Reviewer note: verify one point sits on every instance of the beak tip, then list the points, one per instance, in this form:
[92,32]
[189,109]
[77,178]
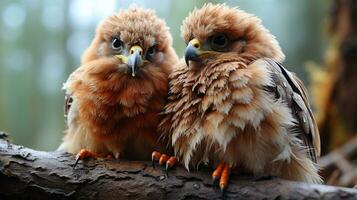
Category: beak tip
[187,62]
[191,53]
[134,62]
[133,71]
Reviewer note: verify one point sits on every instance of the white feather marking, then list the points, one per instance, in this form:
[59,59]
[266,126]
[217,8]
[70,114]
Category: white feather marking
[243,95]
[239,123]
[284,155]
[225,107]
[261,73]
[224,135]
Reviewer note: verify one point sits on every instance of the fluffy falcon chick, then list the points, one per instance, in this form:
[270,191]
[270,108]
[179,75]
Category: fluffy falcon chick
[116,95]
[233,105]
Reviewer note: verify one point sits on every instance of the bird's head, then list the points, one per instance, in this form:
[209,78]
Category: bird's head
[218,32]
[135,40]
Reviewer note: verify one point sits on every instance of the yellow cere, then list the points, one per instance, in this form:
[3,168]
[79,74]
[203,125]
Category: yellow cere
[123,58]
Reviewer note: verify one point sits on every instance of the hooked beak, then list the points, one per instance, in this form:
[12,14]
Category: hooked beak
[192,51]
[135,59]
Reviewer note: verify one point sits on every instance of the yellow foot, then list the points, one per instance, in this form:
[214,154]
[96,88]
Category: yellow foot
[221,173]
[163,159]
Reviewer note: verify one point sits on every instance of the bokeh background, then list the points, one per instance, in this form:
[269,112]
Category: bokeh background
[41,42]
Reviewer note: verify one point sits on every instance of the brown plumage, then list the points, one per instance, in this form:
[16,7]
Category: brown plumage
[117,93]
[233,103]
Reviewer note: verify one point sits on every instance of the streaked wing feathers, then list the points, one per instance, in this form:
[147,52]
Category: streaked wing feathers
[291,90]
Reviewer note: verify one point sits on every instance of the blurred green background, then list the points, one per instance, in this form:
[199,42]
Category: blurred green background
[41,42]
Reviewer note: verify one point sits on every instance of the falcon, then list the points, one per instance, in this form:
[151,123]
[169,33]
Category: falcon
[114,98]
[233,106]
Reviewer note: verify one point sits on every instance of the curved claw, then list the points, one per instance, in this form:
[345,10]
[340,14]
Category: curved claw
[155,156]
[216,175]
[223,182]
[169,164]
[167,170]
[75,164]
[221,173]
[163,159]
[82,154]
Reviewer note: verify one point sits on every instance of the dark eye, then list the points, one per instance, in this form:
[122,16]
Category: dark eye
[117,44]
[219,42]
[151,53]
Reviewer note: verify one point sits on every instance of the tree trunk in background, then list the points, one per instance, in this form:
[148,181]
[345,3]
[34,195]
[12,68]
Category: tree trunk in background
[30,174]
[334,91]
[334,88]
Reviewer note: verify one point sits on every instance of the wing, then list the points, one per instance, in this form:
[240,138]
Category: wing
[70,142]
[68,99]
[291,90]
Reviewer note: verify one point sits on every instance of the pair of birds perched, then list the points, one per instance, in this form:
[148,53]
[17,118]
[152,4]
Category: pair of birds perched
[228,103]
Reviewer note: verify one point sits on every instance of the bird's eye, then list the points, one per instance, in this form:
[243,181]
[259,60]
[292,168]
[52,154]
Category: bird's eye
[219,42]
[151,53]
[117,44]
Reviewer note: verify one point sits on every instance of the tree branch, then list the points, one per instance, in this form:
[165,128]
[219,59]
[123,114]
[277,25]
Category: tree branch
[26,173]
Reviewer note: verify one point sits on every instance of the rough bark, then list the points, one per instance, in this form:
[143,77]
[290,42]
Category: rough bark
[30,174]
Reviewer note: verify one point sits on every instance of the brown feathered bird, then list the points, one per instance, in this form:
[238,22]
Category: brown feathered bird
[114,98]
[233,105]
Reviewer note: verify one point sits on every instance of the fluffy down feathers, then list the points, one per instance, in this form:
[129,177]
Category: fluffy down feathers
[237,104]
[112,112]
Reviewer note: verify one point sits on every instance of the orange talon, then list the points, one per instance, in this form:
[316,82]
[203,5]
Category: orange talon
[218,172]
[155,156]
[170,163]
[221,173]
[83,153]
[223,183]
[163,159]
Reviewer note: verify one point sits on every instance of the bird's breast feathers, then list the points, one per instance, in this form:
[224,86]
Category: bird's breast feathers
[105,104]
[228,107]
